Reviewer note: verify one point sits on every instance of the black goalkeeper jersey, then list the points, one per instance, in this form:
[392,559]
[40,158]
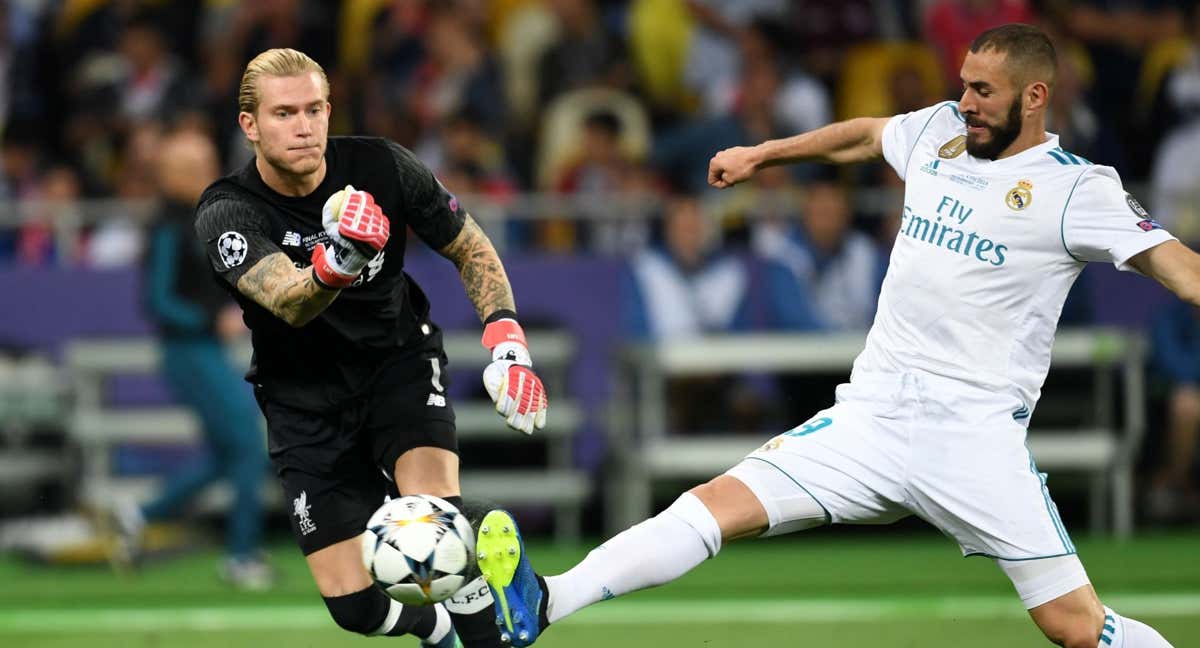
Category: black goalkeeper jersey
[334,357]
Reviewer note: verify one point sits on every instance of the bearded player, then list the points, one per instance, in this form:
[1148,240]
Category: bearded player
[998,221]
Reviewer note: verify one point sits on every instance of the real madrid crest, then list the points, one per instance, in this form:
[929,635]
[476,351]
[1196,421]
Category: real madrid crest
[953,148]
[1020,196]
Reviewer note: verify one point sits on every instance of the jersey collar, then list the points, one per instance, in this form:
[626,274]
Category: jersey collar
[1020,159]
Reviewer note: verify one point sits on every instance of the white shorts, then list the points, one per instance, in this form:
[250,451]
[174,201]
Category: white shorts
[914,444]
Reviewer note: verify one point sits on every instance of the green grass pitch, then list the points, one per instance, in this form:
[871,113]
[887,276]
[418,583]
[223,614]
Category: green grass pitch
[828,589]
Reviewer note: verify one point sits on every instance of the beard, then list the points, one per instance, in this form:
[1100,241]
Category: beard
[1000,135]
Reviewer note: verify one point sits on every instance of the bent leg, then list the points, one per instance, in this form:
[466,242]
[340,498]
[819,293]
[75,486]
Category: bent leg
[1065,607]
[427,470]
[434,471]
[357,604]
[1073,620]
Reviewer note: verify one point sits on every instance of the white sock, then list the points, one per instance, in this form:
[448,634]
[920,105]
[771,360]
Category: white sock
[650,553]
[443,627]
[1123,632]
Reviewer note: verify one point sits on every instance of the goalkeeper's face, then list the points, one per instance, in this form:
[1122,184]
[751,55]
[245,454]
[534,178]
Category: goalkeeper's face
[291,125]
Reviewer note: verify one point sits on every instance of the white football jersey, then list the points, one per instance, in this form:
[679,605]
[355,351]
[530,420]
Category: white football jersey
[986,252]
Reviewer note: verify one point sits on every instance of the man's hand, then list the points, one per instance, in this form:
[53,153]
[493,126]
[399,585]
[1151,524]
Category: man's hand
[357,231]
[518,392]
[733,165]
[352,215]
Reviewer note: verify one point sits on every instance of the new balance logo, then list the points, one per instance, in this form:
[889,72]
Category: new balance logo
[435,400]
[292,239]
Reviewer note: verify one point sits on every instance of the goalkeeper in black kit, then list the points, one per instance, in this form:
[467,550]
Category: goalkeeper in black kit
[348,368]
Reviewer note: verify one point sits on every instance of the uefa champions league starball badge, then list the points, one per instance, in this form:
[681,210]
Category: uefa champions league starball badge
[232,248]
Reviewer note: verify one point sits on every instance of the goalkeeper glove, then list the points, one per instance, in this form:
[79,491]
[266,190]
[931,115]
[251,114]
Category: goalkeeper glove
[510,381]
[356,229]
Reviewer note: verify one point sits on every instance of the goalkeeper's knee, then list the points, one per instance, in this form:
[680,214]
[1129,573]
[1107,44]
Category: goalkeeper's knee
[364,611]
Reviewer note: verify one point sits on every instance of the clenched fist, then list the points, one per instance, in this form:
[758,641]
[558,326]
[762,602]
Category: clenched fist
[733,165]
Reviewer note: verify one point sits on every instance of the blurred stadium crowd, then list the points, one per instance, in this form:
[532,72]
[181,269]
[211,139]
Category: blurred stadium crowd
[584,127]
[582,98]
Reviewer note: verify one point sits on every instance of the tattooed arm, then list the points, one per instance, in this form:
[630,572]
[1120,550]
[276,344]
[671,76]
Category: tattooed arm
[290,293]
[482,273]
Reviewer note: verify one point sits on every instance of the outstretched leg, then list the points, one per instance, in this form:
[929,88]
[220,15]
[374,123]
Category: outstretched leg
[650,553]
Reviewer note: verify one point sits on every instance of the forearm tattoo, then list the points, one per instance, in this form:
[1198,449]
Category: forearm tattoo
[482,273]
[290,293]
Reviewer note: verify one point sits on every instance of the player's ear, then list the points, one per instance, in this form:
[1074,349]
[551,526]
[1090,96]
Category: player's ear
[1037,95]
[249,125]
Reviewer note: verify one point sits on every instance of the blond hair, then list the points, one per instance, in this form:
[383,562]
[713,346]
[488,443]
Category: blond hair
[278,62]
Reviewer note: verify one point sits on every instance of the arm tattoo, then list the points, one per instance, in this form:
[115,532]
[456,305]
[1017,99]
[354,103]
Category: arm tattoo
[287,291]
[482,273]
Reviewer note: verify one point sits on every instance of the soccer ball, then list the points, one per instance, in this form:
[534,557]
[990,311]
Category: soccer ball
[419,548]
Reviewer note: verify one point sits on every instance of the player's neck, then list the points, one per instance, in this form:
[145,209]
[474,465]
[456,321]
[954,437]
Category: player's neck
[289,184]
[1030,137]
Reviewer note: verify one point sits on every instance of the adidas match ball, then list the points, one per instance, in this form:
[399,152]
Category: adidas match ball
[419,548]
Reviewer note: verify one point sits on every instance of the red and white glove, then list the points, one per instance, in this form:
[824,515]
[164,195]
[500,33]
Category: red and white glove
[357,230]
[518,392]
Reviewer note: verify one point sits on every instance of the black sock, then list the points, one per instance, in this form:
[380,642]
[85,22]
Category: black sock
[543,617]
[364,612]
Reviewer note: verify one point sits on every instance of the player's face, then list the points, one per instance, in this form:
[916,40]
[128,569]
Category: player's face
[291,124]
[990,104]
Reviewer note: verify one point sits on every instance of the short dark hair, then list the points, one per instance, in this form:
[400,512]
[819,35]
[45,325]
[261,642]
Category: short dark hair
[1028,52]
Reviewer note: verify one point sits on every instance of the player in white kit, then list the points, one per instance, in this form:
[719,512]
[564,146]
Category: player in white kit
[997,223]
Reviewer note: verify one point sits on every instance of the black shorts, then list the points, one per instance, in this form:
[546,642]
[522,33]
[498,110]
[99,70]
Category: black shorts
[337,466]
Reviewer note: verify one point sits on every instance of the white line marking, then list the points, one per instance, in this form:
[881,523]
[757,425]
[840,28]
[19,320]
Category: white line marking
[650,612]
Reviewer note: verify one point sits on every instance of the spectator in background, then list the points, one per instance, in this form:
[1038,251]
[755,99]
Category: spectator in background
[462,141]
[715,58]
[258,25]
[1175,182]
[115,238]
[1175,177]
[679,153]
[397,42]
[801,102]
[458,74]
[1117,34]
[151,85]
[1178,99]
[1176,354]
[195,319]
[1078,126]
[604,178]
[822,275]
[951,25]
[823,30]
[688,288]
[761,212]
[586,53]
[19,161]
[37,244]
